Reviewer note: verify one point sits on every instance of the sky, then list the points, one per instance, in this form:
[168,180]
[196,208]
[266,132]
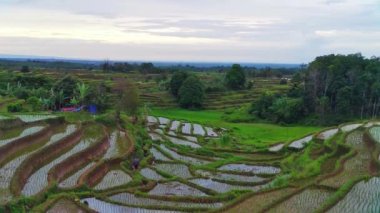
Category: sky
[256,31]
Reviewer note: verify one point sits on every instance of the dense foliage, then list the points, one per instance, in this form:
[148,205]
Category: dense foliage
[191,93]
[177,81]
[332,89]
[235,78]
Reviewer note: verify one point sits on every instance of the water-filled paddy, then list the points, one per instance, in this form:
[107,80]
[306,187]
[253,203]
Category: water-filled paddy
[112,179]
[175,188]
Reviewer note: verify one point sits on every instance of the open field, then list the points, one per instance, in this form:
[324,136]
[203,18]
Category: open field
[248,133]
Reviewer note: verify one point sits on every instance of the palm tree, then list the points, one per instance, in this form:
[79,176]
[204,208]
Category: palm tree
[83,91]
[60,98]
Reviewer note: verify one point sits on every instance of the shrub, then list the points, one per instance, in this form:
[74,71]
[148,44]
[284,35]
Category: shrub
[35,103]
[15,107]
[108,119]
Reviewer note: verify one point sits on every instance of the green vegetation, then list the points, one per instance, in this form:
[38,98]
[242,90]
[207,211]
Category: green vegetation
[333,89]
[248,133]
[191,93]
[237,147]
[235,78]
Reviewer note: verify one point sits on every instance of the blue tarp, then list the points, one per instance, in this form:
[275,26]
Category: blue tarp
[92,109]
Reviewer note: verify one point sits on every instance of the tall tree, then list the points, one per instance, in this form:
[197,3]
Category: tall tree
[191,93]
[176,82]
[235,78]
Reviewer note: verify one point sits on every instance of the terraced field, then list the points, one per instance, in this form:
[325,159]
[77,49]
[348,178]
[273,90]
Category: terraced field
[87,167]
[215,100]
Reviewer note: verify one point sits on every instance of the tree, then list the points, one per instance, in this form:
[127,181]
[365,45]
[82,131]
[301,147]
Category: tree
[287,110]
[235,77]
[262,107]
[82,90]
[128,98]
[147,68]
[191,93]
[67,84]
[25,69]
[35,103]
[176,82]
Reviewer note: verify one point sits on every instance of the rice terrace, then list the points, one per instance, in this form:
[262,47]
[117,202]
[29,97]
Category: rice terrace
[189,106]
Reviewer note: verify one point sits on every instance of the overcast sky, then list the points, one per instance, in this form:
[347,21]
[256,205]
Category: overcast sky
[278,31]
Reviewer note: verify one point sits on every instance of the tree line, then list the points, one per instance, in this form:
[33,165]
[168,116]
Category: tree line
[331,89]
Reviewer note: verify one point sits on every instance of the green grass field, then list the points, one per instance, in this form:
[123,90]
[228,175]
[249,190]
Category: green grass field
[248,133]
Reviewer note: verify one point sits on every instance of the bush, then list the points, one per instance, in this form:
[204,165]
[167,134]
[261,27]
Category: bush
[15,107]
[107,119]
[191,93]
[35,103]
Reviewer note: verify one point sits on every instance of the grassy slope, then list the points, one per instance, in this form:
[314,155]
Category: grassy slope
[249,133]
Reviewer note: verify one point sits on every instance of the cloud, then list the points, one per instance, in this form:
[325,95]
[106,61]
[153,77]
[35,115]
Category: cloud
[221,30]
